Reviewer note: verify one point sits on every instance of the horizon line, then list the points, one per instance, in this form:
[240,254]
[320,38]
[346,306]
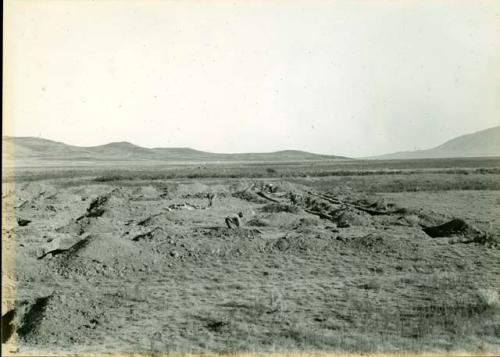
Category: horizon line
[247,152]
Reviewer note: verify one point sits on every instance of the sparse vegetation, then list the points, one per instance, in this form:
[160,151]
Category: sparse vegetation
[358,274]
[367,176]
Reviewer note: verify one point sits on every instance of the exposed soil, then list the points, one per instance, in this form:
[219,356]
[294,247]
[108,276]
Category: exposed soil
[151,267]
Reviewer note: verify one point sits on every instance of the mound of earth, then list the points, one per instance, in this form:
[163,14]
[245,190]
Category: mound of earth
[299,244]
[348,216]
[38,318]
[378,204]
[146,193]
[225,233]
[30,315]
[101,255]
[258,222]
[279,207]
[309,222]
[249,196]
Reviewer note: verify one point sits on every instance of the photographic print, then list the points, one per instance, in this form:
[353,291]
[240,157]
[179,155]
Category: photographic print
[250,177]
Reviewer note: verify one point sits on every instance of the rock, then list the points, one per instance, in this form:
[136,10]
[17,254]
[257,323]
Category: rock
[174,254]
[23,222]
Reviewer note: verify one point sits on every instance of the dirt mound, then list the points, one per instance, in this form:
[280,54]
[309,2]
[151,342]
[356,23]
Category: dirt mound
[203,195]
[96,207]
[41,317]
[100,215]
[258,222]
[219,241]
[30,315]
[35,191]
[250,196]
[374,203]
[343,215]
[279,207]
[380,244]
[114,199]
[297,243]
[148,234]
[88,225]
[348,216]
[66,246]
[225,233]
[424,217]
[147,193]
[370,241]
[309,222]
[103,254]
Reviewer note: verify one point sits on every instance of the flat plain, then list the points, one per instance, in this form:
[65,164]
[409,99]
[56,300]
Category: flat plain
[121,257]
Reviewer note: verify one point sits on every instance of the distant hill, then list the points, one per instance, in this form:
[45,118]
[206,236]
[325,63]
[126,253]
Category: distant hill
[479,144]
[38,149]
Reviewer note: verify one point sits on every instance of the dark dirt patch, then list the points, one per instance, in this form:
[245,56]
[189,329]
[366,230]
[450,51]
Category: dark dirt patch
[95,208]
[23,222]
[32,318]
[455,227]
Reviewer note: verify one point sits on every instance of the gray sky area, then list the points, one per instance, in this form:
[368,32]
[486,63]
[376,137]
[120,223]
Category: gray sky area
[352,78]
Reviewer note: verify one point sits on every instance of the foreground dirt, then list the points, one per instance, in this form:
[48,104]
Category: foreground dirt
[148,266]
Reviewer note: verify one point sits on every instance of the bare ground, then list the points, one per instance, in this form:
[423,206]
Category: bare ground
[147,266]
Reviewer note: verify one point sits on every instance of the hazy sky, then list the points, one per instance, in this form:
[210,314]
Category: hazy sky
[351,78]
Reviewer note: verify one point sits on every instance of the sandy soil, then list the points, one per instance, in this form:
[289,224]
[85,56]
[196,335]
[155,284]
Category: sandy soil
[147,266]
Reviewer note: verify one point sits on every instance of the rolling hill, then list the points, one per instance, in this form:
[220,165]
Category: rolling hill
[42,150]
[485,143]
[479,144]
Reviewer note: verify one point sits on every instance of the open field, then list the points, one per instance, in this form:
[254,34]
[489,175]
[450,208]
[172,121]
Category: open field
[122,259]
[153,170]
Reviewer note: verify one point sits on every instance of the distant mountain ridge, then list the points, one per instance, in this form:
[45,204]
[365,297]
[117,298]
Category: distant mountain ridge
[479,144]
[39,149]
[484,143]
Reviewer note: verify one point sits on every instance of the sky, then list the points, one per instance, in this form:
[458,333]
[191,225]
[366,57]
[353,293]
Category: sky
[352,78]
